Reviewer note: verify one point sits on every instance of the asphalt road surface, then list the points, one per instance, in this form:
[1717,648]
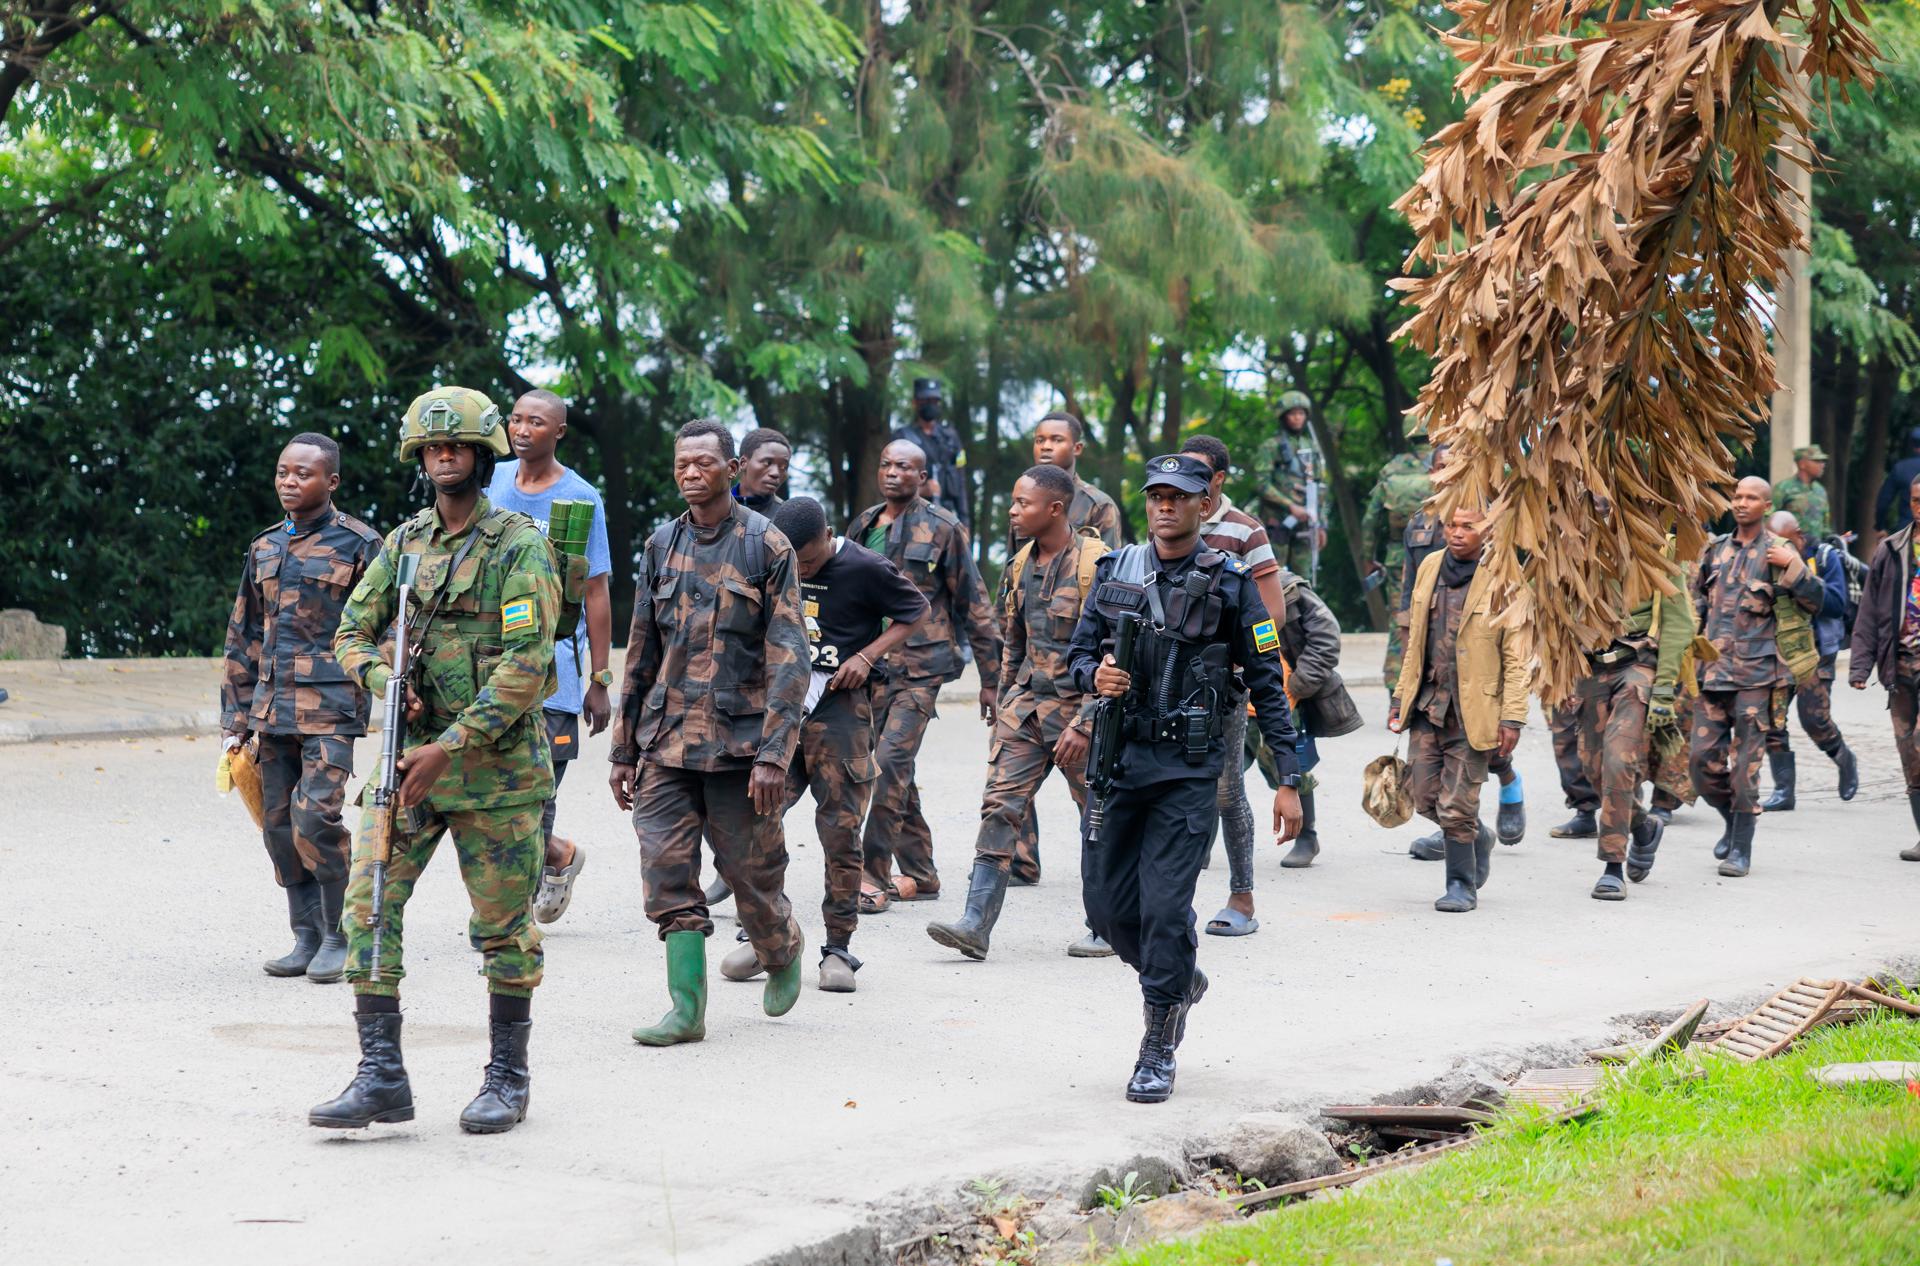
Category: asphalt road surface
[155,1082]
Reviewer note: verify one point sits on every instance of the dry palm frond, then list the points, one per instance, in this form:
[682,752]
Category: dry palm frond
[1598,232]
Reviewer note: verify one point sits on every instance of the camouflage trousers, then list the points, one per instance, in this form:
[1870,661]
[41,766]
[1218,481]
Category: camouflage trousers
[1576,780]
[1729,738]
[1667,752]
[1396,619]
[500,852]
[672,809]
[841,785]
[896,828]
[1020,761]
[1445,774]
[303,784]
[1814,703]
[1612,736]
[1903,705]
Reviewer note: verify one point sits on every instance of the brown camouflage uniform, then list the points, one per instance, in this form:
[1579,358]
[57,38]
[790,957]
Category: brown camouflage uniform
[1740,692]
[930,547]
[1563,724]
[1445,771]
[1613,711]
[835,762]
[1037,700]
[283,684]
[716,680]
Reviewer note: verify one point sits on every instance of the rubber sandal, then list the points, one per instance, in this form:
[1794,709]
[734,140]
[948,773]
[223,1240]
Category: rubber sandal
[555,893]
[874,901]
[1230,922]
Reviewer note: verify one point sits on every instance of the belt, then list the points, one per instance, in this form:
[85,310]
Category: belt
[1618,653]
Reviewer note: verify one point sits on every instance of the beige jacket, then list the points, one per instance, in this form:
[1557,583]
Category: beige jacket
[1491,663]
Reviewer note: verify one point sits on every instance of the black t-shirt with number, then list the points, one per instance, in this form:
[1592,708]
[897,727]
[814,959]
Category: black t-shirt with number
[848,601]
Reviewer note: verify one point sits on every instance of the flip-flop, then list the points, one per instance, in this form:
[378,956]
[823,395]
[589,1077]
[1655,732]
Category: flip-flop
[874,901]
[1230,922]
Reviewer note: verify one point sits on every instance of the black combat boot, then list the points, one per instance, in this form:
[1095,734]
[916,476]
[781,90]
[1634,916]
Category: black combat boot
[1740,846]
[1195,991]
[1482,856]
[1721,845]
[1306,845]
[303,913]
[1152,1080]
[1428,848]
[1580,826]
[1913,803]
[1461,868]
[380,1090]
[1849,771]
[505,1087]
[1642,845]
[1781,801]
[330,963]
[970,933]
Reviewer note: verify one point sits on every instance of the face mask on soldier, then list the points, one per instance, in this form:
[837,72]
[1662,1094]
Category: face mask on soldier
[929,410]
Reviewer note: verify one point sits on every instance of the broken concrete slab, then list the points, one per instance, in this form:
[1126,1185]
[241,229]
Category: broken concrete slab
[1880,1070]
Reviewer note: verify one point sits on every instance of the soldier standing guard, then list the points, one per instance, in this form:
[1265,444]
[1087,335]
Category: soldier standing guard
[1290,469]
[476,762]
[930,548]
[1752,595]
[1804,496]
[283,686]
[1203,618]
[944,469]
[1405,483]
[709,716]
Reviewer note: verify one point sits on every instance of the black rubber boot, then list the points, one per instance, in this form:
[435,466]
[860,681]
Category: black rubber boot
[505,1086]
[1428,848]
[1740,846]
[1721,845]
[1152,1080]
[1306,845]
[303,914]
[1482,857]
[971,932]
[1511,822]
[1581,826]
[1913,804]
[1642,845]
[1781,801]
[1195,991]
[1461,868]
[330,963]
[380,1090]
[716,892]
[1849,772]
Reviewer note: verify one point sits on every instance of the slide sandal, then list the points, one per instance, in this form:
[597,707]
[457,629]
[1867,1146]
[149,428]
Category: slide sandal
[1230,922]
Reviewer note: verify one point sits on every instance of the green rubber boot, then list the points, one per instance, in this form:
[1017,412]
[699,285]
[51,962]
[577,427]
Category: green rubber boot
[783,986]
[687,986]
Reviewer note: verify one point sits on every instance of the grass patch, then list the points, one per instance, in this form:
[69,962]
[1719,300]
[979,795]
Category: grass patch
[1743,1164]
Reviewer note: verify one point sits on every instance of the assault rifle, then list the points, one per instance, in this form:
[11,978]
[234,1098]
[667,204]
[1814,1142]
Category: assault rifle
[1310,468]
[1103,749]
[393,737]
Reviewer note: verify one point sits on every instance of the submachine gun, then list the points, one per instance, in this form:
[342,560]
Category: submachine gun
[1109,720]
[393,736]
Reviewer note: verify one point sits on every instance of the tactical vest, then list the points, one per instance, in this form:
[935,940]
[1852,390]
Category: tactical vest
[1183,680]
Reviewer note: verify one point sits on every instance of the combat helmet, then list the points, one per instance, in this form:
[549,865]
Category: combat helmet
[457,415]
[1293,400]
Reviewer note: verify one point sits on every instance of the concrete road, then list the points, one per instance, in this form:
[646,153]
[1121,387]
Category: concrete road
[155,1083]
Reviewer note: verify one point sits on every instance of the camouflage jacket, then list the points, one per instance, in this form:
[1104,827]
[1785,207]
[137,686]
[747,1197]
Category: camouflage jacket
[281,676]
[1403,487]
[930,547]
[717,656]
[1093,513]
[1040,618]
[1808,502]
[1281,468]
[484,663]
[1733,595]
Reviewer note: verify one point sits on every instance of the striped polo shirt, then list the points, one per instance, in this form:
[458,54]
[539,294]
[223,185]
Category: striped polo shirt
[1240,535]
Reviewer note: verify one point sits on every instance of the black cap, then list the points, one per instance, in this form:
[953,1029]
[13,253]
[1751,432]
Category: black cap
[924,387]
[1913,437]
[1180,470]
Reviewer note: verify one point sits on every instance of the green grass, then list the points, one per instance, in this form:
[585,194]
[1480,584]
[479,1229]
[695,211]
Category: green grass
[1752,1164]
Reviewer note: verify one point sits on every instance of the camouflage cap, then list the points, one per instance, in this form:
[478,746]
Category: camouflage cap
[458,415]
[1384,793]
[1293,400]
[1810,453]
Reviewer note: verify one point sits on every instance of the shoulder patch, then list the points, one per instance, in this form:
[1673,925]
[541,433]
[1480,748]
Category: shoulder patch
[1264,637]
[1236,566]
[516,615]
[357,527]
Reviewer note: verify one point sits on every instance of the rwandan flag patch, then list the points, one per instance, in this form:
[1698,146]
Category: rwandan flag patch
[518,614]
[1264,638]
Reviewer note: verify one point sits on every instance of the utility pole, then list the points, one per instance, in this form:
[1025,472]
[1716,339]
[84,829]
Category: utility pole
[1792,425]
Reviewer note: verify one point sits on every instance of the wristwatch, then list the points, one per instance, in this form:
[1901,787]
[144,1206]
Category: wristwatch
[602,678]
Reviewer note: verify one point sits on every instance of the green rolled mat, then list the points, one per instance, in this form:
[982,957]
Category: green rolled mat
[561,530]
[582,520]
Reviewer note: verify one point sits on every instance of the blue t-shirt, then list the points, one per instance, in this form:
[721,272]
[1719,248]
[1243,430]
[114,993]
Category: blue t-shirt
[567,655]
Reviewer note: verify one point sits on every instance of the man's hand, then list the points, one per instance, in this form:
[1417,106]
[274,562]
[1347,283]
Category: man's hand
[1858,685]
[622,779]
[1394,724]
[768,787]
[1374,566]
[1110,679]
[422,767]
[989,703]
[416,707]
[1286,814]
[1071,750]
[598,707]
[1509,739]
[852,675]
[1780,554]
[234,740]
[1299,512]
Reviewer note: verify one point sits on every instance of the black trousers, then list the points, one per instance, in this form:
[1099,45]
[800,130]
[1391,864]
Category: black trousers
[1138,879]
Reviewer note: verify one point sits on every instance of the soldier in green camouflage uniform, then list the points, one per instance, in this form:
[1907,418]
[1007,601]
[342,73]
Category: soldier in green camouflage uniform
[930,546]
[710,713]
[1043,721]
[476,763]
[1805,495]
[1284,466]
[1405,483]
[283,687]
